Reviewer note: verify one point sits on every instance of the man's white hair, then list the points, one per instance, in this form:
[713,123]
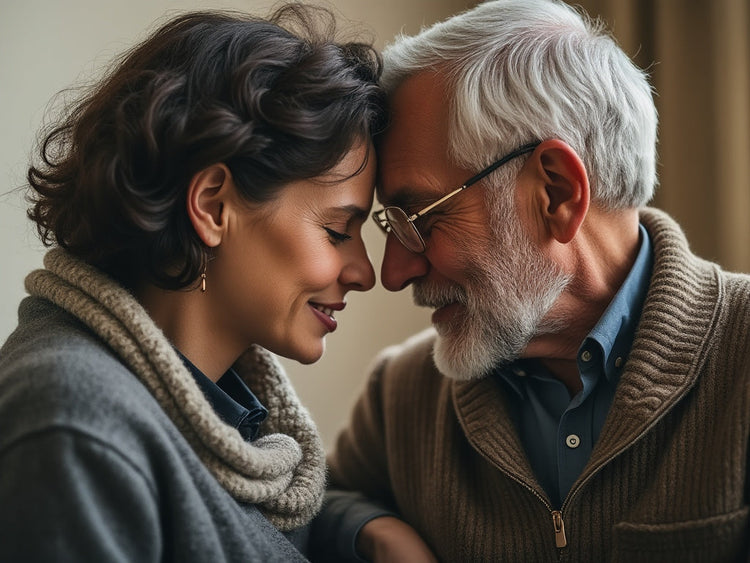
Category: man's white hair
[523,70]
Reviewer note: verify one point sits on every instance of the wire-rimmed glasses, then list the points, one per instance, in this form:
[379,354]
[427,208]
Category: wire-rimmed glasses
[394,219]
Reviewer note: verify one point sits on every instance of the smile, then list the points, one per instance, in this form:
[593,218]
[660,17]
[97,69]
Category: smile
[324,313]
[327,310]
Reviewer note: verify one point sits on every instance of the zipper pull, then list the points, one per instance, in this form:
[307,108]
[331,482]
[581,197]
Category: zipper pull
[557,522]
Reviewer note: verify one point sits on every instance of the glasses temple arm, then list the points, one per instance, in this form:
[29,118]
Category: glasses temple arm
[489,170]
[474,179]
[436,203]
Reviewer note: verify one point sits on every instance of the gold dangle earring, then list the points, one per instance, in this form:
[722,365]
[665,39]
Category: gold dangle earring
[203,274]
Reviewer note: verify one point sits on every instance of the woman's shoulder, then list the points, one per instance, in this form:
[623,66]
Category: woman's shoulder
[74,418]
[50,347]
[56,374]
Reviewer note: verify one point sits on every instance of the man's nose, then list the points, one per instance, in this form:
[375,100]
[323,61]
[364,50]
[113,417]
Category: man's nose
[401,266]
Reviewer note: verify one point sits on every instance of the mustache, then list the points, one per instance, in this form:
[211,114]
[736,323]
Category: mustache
[434,296]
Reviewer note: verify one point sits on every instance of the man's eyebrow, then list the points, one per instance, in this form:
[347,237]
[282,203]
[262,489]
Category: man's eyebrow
[409,197]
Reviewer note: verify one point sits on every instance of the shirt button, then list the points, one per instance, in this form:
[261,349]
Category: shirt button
[586,356]
[519,372]
[572,441]
[618,362]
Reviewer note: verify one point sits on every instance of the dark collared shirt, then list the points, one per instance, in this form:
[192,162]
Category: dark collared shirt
[231,399]
[557,432]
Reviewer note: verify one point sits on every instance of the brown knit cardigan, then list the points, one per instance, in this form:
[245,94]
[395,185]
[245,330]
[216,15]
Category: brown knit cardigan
[667,480]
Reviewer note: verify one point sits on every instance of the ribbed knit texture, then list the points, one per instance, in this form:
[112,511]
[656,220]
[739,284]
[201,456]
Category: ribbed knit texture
[283,471]
[667,481]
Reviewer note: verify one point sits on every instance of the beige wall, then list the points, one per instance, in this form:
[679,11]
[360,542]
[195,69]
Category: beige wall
[46,45]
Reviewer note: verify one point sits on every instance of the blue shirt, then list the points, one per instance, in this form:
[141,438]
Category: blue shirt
[231,399]
[558,433]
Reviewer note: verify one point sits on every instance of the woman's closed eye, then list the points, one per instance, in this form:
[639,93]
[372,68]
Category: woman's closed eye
[336,236]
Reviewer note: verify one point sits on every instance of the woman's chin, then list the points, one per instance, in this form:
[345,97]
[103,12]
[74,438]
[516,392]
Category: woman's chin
[307,356]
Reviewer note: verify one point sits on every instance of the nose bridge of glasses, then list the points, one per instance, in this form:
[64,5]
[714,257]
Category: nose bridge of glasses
[381,220]
[394,219]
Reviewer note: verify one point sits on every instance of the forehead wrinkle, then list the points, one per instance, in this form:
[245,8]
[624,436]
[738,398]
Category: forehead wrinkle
[407,179]
[351,212]
[409,197]
[413,190]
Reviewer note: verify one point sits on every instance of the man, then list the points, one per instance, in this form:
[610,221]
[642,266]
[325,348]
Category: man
[584,393]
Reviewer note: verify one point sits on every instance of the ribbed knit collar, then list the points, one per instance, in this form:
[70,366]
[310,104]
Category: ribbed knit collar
[671,341]
[283,471]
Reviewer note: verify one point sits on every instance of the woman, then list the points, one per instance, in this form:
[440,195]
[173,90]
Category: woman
[205,203]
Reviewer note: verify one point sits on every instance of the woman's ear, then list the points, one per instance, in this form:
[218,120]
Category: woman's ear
[564,189]
[207,196]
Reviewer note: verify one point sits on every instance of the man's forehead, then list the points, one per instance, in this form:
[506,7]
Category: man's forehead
[418,109]
[415,146]
[408,176]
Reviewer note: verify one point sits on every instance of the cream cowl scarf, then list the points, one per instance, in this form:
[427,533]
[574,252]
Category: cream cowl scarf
[283,471]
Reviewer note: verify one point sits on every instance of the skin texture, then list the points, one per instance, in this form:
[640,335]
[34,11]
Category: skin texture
[270,263]
[580,253]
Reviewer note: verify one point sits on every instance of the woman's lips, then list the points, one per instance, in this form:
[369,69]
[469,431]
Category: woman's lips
[324,312]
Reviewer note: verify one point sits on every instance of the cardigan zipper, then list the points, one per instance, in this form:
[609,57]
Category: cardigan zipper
[586,478]
[557,515]
[559,525]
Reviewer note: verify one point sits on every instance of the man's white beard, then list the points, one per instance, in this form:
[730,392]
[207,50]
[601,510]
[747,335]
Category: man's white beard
[510,290]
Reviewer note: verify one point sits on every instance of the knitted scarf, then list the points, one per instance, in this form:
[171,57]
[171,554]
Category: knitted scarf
[283,471]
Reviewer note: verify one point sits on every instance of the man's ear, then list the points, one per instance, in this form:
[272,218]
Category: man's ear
[564,201]
[208,192]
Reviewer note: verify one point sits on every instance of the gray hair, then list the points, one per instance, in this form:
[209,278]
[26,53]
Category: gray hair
[523,70]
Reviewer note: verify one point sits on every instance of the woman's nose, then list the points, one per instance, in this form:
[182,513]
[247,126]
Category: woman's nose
[358,273]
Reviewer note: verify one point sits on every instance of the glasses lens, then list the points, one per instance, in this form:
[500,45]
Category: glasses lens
[404,229]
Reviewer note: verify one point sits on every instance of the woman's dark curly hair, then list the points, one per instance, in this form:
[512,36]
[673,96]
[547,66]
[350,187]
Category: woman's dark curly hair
[276,100]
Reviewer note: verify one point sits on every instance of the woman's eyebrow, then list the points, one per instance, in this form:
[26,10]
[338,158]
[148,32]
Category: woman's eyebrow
[351,211]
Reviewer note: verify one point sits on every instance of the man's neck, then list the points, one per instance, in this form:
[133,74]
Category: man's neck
[598,260]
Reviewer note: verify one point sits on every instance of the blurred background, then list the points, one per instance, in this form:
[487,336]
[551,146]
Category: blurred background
[697,51]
